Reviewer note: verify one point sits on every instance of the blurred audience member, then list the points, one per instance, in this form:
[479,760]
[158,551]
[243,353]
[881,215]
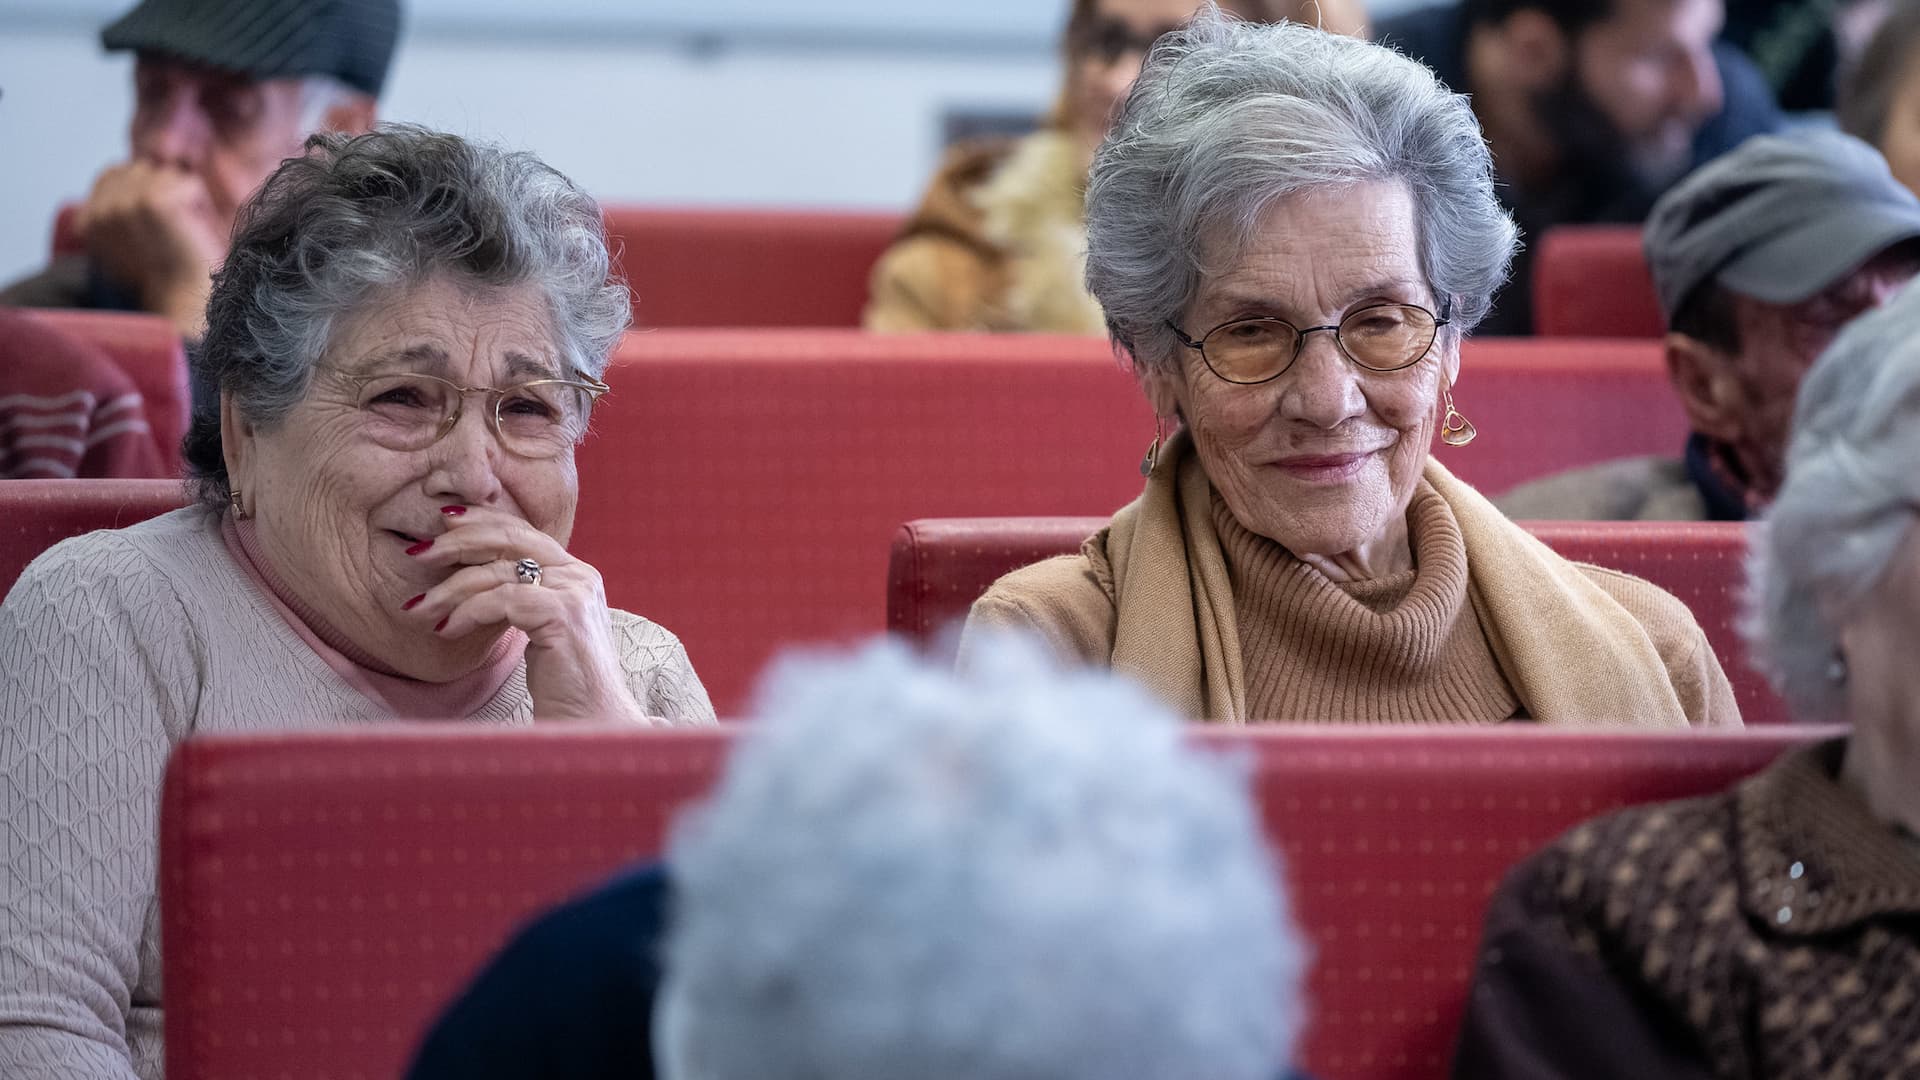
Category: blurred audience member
[407,338]
[1759,259]
[1017,872]
[1291,232]
[1592,107]
[1880,98]
[66,409]
[222,93]
[999,240]
[1802,46]
[1769,931]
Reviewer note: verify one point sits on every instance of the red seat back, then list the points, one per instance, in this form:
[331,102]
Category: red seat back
[37,514]
[148,349]
[742,486]
[323,896]
[747,267]
[937,569]
[1592,281]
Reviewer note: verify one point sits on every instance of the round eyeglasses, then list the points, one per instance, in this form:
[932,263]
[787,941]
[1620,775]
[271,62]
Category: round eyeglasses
[538,419]
[1383,337]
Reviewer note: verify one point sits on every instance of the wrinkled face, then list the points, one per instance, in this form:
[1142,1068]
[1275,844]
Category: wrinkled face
[335,510]
[1105,53]
[230,130]
[1900,139]
[1648,71]
[1324,458]
[1883,683]
[1780,342]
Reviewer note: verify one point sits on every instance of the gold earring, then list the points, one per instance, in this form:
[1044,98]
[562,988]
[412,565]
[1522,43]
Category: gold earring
[1455,430]
[239,504]
[1153,451]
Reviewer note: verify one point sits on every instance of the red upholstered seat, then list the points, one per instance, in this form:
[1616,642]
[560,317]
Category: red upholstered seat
[149,350]
[37,514]
[742,487]
[322,896]
[1591,281]
[747,267]
[939,567]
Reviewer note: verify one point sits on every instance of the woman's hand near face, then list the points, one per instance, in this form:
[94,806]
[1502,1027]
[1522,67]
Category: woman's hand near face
[573,666]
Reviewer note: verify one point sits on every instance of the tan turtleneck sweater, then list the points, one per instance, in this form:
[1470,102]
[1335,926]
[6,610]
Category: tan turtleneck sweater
[1396,649]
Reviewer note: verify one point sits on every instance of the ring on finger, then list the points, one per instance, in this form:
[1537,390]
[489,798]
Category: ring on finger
[527,571]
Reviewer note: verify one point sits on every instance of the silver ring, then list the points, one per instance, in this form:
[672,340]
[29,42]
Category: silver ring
[527,571]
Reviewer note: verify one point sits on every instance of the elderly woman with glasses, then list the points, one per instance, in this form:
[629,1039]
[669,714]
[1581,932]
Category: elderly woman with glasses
[407,337]
[1290,232]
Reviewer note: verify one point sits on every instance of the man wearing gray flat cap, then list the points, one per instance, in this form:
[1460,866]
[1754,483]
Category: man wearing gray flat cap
[1759,258]
[224,90]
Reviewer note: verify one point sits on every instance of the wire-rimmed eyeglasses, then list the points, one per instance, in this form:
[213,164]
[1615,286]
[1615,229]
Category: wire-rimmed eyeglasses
[537,419]
[1380,337]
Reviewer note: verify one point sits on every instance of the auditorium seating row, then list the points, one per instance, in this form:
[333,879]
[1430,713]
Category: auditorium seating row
[783,268]
[743,487]
[322,896]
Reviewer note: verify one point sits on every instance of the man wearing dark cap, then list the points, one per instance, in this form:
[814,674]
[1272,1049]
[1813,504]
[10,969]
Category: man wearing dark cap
[224,90]
[1759,259]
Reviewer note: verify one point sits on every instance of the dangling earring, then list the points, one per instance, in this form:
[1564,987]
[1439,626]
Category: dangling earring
[1455,430]
[1837,669]
[1153,451]
[239,504]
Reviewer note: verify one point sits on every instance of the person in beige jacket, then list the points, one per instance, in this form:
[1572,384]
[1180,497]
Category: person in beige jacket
[1290,231]
[998,241]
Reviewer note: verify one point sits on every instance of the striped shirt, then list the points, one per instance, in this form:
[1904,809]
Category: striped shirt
[66,410]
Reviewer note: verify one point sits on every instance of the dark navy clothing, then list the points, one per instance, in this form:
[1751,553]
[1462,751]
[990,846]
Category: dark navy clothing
[1593,193]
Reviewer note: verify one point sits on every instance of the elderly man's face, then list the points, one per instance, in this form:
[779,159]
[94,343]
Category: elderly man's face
[336,511]
[1648,75]
[1778,344]
[228,130]
[1325,458]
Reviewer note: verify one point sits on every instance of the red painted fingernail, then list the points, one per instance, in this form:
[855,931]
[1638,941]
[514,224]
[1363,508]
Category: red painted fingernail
[441,625]
[453,511]
[419,547]
[413,603]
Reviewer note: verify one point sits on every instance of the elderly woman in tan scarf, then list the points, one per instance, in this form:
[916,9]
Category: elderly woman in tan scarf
[1290,231]
[999,241]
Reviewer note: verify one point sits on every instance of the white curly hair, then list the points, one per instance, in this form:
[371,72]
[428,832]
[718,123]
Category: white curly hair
[1018,872]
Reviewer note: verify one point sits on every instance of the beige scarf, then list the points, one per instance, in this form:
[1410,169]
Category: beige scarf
[1570,651]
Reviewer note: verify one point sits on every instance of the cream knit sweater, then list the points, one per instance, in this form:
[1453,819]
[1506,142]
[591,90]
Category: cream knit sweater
[113,647]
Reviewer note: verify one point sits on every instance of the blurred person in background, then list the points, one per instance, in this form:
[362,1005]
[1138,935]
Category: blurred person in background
[999,239]
[1291,232]
[1880,96]
[1772,930]
[1592,107]
[223,91]
[1010,873]
[407,337]
[1759,258]
[1802,47]
[66,409]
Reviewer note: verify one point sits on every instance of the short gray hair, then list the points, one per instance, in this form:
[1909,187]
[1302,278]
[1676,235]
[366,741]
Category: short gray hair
[1228,116]
[359,217]
[1012,873]
[1850,495]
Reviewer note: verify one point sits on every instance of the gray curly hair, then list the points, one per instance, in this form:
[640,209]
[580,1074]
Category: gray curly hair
[1227,117]
[359,217]
[1011,873]
[1850,495]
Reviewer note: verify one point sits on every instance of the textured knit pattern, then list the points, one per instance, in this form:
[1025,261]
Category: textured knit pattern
[1778,925]
[1398,649]
[114,647]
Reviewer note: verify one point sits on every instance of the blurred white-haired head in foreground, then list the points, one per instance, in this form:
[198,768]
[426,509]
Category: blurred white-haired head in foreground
[1017,872]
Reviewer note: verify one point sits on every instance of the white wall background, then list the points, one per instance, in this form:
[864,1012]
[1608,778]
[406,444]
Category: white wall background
[771,102]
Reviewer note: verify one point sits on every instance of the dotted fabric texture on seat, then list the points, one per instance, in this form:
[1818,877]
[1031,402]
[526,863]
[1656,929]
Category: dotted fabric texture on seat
[37,514]
[938,568]
[324,895]
[148,349]
[741,487]
[1592,281]
[747,267]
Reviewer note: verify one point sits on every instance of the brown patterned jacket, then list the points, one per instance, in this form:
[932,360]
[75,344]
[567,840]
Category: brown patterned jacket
[1770,931]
